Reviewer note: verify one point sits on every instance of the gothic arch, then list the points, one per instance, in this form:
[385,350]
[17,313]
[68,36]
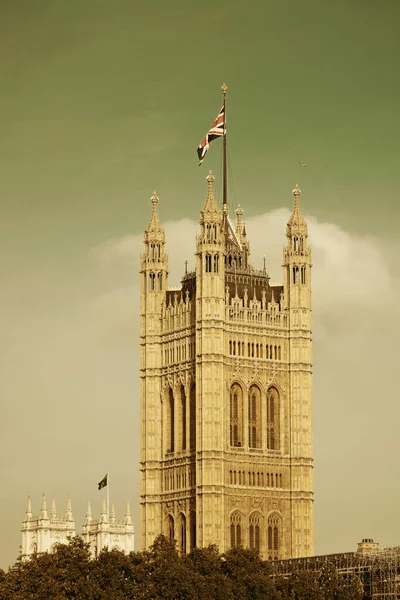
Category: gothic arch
[254,416]
[182,416]
[274,536]
[236,414]
[236,522]
[170,420]
[181,533]
[192,520]
[255,528]
[273,418]
[192,416]
[170,527]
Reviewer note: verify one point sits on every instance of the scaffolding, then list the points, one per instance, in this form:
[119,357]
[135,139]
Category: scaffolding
[379,571]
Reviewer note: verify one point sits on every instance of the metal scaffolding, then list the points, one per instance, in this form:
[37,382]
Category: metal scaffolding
[379,571]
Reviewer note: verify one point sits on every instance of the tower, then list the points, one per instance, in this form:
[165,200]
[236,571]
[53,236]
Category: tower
[226,427]
[42,533]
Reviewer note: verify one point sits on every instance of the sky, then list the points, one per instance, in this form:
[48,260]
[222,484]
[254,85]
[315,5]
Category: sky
[101,103]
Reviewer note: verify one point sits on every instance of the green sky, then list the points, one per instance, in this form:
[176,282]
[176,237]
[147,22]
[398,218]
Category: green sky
[102,102]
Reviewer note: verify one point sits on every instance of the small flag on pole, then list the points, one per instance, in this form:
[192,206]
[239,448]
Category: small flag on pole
[216,130]
[103,482]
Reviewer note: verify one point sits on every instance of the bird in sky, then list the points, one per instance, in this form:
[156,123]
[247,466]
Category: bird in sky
[302,164]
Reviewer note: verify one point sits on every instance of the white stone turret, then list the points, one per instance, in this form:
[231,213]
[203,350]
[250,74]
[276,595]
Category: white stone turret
[42,534]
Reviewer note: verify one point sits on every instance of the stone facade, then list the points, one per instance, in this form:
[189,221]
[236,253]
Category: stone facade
[44,532]
[225,370]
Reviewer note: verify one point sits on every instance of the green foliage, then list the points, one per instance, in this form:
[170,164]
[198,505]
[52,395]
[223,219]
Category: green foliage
[160,573]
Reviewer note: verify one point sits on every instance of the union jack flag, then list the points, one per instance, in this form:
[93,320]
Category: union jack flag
[216,130]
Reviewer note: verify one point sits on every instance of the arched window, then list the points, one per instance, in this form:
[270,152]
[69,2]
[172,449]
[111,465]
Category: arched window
[303,275]
[215,263]
[254,531]
[159,276]
[183,418]
[170,422]
[170,527]
[236,416]
[273,416]
[192,417]
[152,281]
[274,533]
[182,534]
[192,529]
[236,527]
[254,417]
[208,263]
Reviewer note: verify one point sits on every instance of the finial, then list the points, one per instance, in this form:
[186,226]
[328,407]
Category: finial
[224,88]
[28,512]
[296,193]
[112,511]
[128,518]
[43,510]
[68,510]
[89,510]
[53,509]
[154,201]
[210,181]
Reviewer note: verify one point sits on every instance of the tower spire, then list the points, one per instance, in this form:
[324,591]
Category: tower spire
[28,512]
[154,228]
[68,511]
[53,513]
[88,516]
[297,223]
[128,518]
[43,509]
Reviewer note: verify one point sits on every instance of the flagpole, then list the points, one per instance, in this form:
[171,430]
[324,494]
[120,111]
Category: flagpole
[108,495]
[225,182]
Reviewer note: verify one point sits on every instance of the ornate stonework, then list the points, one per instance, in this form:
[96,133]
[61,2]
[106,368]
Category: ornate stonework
[226,418]
[44,532]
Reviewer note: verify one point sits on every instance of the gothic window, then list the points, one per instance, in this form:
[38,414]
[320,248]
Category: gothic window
[170,421]
[159,277]
[230,347]
[182,534]
[234,348]
[170,526]
[236,526]
[152,281]
[303,275]
[215,263]
[192,529]
[295,244]
[236,416]
[208,263]
[254,531]
[295,274]
[192,417]
[254,417]
[274,533]
[183,417]
[273,417]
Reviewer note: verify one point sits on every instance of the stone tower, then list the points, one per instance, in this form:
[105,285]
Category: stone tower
[225,369]
[42,533]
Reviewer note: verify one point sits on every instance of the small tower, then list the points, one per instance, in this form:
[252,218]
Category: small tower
[42,533]
[210,312]
[108,532]
[153,286]
[297,302]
